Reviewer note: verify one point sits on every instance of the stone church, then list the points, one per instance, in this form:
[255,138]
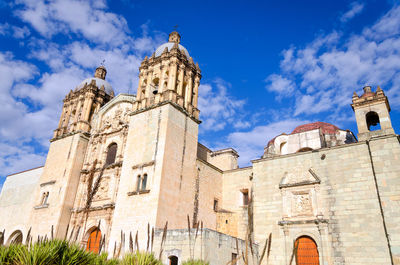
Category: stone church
[121,166]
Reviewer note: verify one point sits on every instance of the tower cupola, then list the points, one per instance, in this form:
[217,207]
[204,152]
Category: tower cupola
[372,113]
[174,37]
[100,72]
[81,103]
[169,75]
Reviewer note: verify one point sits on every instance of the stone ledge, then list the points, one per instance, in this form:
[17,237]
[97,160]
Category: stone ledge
[41,206]
[138,192]
[48,183]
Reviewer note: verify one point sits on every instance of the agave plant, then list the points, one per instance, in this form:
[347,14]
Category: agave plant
[140,258]
[195,262]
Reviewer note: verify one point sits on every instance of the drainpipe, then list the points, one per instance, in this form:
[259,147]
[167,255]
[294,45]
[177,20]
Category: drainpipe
[380,202]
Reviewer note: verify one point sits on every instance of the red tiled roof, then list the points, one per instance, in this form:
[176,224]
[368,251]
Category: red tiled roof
[325,127]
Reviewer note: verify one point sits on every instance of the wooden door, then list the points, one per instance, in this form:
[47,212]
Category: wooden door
[93,244]
[307,251]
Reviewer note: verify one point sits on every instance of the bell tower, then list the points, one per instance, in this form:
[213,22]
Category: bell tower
[169,75]
[61,172]
[80,104]
[372,113]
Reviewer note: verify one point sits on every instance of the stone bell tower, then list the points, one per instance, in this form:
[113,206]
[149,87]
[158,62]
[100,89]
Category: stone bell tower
[80,104]
[61,172]
[372,113]
[161,144]
[169,75]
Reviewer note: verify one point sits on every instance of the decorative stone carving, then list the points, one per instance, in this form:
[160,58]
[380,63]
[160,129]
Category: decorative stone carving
[302,205]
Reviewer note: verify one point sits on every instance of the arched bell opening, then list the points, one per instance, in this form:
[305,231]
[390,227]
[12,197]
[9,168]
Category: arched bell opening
[373,122]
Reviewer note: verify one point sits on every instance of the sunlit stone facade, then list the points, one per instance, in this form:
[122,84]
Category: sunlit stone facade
[123,165]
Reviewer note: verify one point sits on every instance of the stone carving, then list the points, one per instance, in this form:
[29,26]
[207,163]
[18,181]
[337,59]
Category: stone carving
[302,205]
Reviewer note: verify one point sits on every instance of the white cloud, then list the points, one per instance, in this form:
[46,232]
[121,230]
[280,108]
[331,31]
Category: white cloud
[250,144]
[31,100]
[87,18]
[218,108]
[332,67]
[281,85]
[355,9]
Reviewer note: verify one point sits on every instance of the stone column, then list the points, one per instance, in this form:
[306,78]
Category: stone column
[189,92]
[180,78]
[196,91]
[139,89]
[172,76]
[88,106]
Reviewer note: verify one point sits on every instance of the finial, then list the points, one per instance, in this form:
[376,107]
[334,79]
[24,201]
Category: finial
[379,89]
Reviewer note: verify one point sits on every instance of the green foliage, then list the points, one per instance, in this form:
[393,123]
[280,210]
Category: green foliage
[61,252]
[195,262]
[140,258]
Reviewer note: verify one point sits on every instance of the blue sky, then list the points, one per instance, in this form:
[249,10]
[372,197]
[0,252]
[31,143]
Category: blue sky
[267,66]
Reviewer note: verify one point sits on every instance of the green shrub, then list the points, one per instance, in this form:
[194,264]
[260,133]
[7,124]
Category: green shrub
[140,258]
[195,262]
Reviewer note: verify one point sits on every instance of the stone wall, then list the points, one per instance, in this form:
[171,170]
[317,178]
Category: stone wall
[16,201]
[212,246]
[328,195]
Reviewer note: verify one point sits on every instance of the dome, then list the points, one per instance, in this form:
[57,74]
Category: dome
[99,83]
[169,45]
[326,128]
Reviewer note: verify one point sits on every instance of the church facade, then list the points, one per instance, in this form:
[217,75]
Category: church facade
[123,166]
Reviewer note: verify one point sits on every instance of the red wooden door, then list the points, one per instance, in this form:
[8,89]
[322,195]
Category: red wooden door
[93,243]
[307,251]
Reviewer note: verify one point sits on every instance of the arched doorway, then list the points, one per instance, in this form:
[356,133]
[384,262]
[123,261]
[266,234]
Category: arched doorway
[93,243]
[173,260]
[307,251]
[15,238]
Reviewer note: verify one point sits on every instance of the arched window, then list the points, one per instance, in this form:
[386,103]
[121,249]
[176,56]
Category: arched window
[373,121]
[173,260]
[283,148]
[144,182]
[93,243]
[111,153]
[15,238]
[307,251]
[45,197]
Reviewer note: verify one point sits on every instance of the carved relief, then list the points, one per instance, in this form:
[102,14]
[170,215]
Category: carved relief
[302,205]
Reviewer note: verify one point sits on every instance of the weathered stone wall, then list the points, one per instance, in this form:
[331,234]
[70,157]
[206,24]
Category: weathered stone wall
[60,178]
[335,203]
[16,201]
[212,246]
[234,183]
[385,153]
[210,189]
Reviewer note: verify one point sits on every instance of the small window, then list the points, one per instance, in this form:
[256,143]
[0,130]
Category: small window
[245,194]
[144,182]
[138,182]
[45,197]
[215,207]
[373,121]
[111,154]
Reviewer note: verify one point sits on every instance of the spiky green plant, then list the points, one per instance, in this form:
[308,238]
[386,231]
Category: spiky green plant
[195,262]
[140,258]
